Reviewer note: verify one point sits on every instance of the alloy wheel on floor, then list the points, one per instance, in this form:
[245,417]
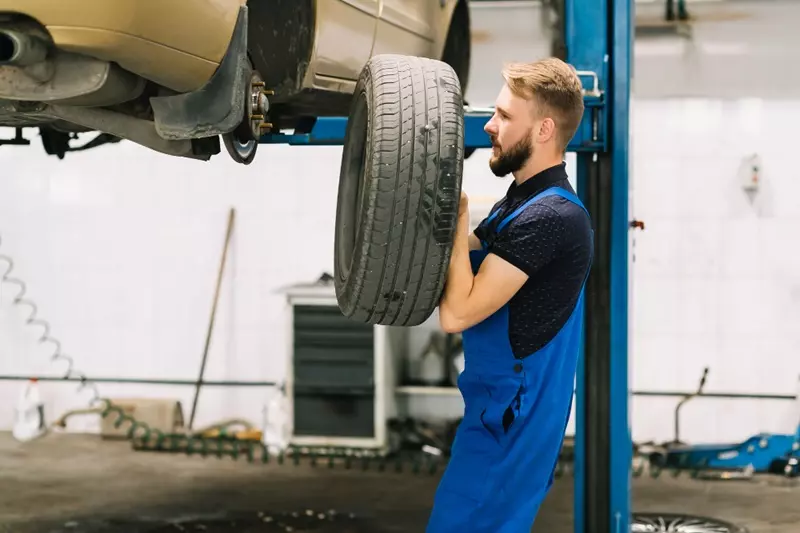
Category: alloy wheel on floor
[677,523]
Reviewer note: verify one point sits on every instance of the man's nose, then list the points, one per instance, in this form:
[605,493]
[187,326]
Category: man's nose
[490,128]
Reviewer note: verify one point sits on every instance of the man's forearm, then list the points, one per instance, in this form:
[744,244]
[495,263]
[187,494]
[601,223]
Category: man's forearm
[474,242]
[459,283]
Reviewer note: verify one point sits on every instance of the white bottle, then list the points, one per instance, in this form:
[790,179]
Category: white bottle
[276,431]
[29,420]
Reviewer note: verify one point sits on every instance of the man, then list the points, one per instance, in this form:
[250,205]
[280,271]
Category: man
[514,289]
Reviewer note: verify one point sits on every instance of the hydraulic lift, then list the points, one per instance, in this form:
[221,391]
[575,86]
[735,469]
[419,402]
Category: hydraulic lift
[597,41]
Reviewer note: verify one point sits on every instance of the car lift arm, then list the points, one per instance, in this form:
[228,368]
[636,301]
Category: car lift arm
[597,39]
[329,131]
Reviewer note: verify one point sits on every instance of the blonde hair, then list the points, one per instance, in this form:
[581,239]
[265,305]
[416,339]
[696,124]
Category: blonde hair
[555,88]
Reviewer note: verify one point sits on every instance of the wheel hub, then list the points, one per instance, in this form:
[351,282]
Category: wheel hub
[668,523]
[258,106]
[242,142]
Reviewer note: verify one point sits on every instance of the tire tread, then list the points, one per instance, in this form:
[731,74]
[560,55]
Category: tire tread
[413,185]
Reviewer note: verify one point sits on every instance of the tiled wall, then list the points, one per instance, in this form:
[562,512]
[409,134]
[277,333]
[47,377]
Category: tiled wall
[716,277]
[119,248]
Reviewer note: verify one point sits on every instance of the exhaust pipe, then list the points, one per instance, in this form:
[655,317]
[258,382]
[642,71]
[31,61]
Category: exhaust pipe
[21,49]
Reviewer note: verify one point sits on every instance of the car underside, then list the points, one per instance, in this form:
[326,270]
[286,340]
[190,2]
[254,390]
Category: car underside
[397,69]
[264,82]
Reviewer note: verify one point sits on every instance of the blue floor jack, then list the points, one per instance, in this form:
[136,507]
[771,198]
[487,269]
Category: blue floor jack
[761,453]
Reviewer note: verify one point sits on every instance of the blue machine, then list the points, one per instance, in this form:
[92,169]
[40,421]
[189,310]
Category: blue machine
[761,453]
[757,453]
[597,39]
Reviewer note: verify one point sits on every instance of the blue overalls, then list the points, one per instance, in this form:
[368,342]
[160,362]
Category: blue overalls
[516,411]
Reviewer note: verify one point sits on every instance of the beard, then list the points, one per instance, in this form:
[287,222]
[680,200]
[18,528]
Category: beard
[513,159]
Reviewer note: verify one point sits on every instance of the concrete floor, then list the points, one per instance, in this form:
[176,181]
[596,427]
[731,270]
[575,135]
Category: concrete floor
[80,484]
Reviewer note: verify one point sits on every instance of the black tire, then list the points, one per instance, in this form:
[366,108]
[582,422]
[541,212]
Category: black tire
[399,190]
[458,44]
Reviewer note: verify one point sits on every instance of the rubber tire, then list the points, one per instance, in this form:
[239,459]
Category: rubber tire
[399,190]
[458,45]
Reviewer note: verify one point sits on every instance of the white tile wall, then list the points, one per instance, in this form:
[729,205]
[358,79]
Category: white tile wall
[715,277]
[119,247]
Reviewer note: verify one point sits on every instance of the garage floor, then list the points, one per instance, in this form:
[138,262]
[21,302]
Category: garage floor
[80,484]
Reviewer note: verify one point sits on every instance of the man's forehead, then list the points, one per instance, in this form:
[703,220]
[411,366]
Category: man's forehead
[509,103]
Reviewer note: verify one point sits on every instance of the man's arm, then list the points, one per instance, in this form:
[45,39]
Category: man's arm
[474,242]
[469,299]
[531,243]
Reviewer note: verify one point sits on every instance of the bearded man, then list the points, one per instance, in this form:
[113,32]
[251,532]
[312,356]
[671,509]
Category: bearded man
[514,291]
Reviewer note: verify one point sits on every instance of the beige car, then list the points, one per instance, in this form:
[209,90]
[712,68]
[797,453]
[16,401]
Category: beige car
[174,75]
[178,76]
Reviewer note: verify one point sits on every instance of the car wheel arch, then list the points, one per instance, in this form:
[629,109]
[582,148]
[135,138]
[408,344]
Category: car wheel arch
[454,43]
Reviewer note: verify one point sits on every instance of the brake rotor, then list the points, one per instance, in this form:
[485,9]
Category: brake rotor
[674,523]
[242,143]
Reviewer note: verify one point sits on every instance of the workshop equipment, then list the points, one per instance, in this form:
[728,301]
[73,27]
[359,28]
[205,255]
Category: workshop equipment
[339,372]
[756,454]
[788,466]
[656,453]
[158,413]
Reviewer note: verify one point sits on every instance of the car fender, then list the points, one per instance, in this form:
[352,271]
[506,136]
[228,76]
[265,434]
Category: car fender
[443,21]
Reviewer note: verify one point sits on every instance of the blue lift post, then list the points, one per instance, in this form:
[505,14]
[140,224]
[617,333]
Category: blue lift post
[598,43]
[598,37]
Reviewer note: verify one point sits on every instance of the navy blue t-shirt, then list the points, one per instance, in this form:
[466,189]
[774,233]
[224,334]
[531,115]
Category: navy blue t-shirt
[551,241]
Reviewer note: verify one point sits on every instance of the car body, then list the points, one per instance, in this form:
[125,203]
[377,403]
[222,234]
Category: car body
[178,75]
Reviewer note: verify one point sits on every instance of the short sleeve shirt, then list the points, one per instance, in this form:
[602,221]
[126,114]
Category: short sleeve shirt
[551,241]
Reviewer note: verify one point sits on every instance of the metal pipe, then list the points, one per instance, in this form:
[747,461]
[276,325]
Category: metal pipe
[186,382]
[728,395]
[21,49]
[144,381]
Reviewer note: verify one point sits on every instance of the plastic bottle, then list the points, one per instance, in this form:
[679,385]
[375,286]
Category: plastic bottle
[29,421]
[276,432]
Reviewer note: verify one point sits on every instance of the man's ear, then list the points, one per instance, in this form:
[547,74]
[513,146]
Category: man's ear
[547,130]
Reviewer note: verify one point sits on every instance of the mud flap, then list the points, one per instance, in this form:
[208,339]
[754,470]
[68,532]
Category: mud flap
[216,108]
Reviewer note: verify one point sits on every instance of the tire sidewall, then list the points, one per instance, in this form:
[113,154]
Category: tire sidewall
[404,147]
[353,202]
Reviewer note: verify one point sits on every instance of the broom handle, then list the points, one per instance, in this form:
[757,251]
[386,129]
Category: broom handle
[220,272]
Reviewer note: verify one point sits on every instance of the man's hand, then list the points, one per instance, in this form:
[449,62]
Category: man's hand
[469,299]
[463,214]
[463,204]
[463,223]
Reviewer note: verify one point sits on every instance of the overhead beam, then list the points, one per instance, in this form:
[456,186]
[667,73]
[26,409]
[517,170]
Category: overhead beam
[329,131]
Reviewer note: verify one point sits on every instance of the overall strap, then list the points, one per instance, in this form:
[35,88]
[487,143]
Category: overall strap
[493,215]
[555,190]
